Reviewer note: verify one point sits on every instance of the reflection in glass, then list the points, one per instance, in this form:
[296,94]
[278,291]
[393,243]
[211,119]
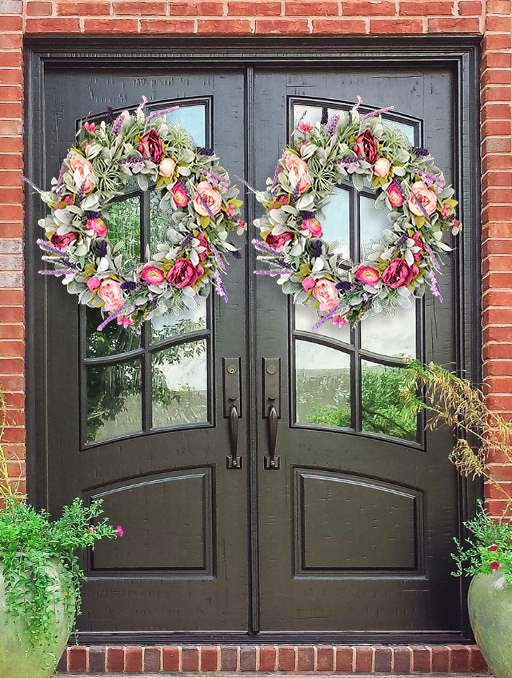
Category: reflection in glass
[170,325]
[159,221]
[124,224]
[322,385]
[306,317]
[383,409]
[180,385]
[113,400]
[371,224]
[313,113]
[193,119]
[112,339]
[391,335]
[336,224]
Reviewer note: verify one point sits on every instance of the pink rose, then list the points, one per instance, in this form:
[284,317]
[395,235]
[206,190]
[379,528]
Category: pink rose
[167,167]
[61,242]
[395,196]
[111,293]
[277,242]
[399,273]
[98,226]
[210,196]
[82,172]
[184,273]
[368,275]
[203,241]
[313,226]
[325,292]
[93,284]
[152,274]
[297,169]
[180,195]
[308,283]
[366,146]
[418,242]
[381,167]
[151,146]
[426,197]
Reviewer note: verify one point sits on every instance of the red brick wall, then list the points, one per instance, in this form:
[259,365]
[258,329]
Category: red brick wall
[491,19]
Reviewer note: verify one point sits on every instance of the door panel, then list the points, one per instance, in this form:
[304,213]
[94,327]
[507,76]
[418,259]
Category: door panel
[356,525]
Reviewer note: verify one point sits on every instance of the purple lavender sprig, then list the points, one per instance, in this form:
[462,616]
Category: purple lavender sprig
[58,271]
[317,248]
[201,150]
[417,150]
[399,243]
[206,206]
[218,257]
[129,286]
[326,317]
[126,308]
[217,180]
[276,177]
[133,161]
[347,161]
[434,286]
[220,287]
[272,271]
[295,193]
[186,240]
[452,254]
[428,178]
[307,215]
[432,256]
[80,194]
[117,124]
[61,177]
[102,248]
[49,248]
[420,205]
[343,285]
[157,114]
[236,254]
[263,247]
[91,214]
[109,116]
[379,111]
[325,116]
[331,127]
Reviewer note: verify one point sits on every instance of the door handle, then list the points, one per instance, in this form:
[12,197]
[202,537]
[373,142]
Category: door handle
[232,460]
[272,399]
[232,408]
[272,460]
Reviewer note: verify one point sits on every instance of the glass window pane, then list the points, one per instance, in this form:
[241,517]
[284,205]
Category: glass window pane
[322,385]
[159,221]
[170,325]
[371,224]
[112,339]
[114,403]
[391,335]
[124,224]
[180,385]
[336,224]
[191,118]
[306,317]
[313,113]
[408,130]
[383,409]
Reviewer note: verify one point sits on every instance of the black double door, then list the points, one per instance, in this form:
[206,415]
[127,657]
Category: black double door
[350,529]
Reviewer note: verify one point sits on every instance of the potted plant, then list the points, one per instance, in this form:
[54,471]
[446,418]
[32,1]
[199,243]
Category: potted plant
[486,552]
[40,577]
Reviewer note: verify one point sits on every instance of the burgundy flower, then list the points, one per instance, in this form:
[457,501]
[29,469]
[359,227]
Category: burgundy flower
[276,242]
[203,241]
[399,273]
[366,146]
[61,242]
[184,273]
[151,146]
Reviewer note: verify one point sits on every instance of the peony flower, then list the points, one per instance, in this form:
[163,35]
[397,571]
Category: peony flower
[277,242]
[98,226]
[399,273]
[426,197]
[366,146]
[152,274]
[445,211]
[368,275]
[180,195]
[90,127]
[325,292]
[111,293]
[210,196]
[308,283]
[167,167]
[151,146]
[61,242]
[82,172]
[381,167]
[124,321]
[93,284]
[184,273]
[297,169]
[418,242]
[203,241]
[395,196]
[313,226]
[494,566]
[119,529]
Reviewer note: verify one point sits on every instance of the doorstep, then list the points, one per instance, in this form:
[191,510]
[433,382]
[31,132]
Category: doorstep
[265,675]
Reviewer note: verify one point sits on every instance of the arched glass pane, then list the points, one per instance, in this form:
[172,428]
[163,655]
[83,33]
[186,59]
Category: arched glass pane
[312,114]
[306,317]
[171,325]
[158,220]
[124,225]
[322,386]
[391,335]
[371,224]
[193,119]
[112,339]
[113,400]
[180,385]
[336,221]
[383,409]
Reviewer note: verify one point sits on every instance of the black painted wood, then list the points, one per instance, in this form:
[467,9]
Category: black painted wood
[256,573]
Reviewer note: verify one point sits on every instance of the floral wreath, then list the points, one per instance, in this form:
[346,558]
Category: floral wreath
[401,264]
[202,205]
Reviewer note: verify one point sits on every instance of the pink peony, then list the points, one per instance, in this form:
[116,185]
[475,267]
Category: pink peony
[111,293]
[119,529]
[368,275]
[399,273]
[428,198]
[184,273]
[210,196]
[167,167]
[366,146]
[82,172]
[313,226]
[98,226]
[395,196]
[93,284]
[61,242]
[203,241]
[381,167]
[151,146]
[418,242]
[297,169]
[180,195]
[152,274]
[308,283]
[325,292]
[277,242]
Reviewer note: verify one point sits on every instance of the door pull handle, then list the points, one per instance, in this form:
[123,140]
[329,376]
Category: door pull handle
[233,460]
[232,408]
[272,460]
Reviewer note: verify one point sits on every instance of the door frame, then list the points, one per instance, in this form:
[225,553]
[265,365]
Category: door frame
[459,53]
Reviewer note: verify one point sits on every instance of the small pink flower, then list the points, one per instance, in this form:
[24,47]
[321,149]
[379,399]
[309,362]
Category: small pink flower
[119,531]
[90,530]
[230,211]
[368,275]
[308,283]
[93,284]
[395,196]
[381,167]
[90,126]
[456,223]
[111,293]
[445,211]
[62,204]
[124,321]
[325,292]
[313,226]
[494,566]
[180,195]
[492,548]
[167,167]
[241,224]
[98,226]
[418,242]
[305,127]
[153,275]
[339,320]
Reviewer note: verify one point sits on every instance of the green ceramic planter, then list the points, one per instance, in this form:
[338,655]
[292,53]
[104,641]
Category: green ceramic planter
[490,612]
[17,658]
